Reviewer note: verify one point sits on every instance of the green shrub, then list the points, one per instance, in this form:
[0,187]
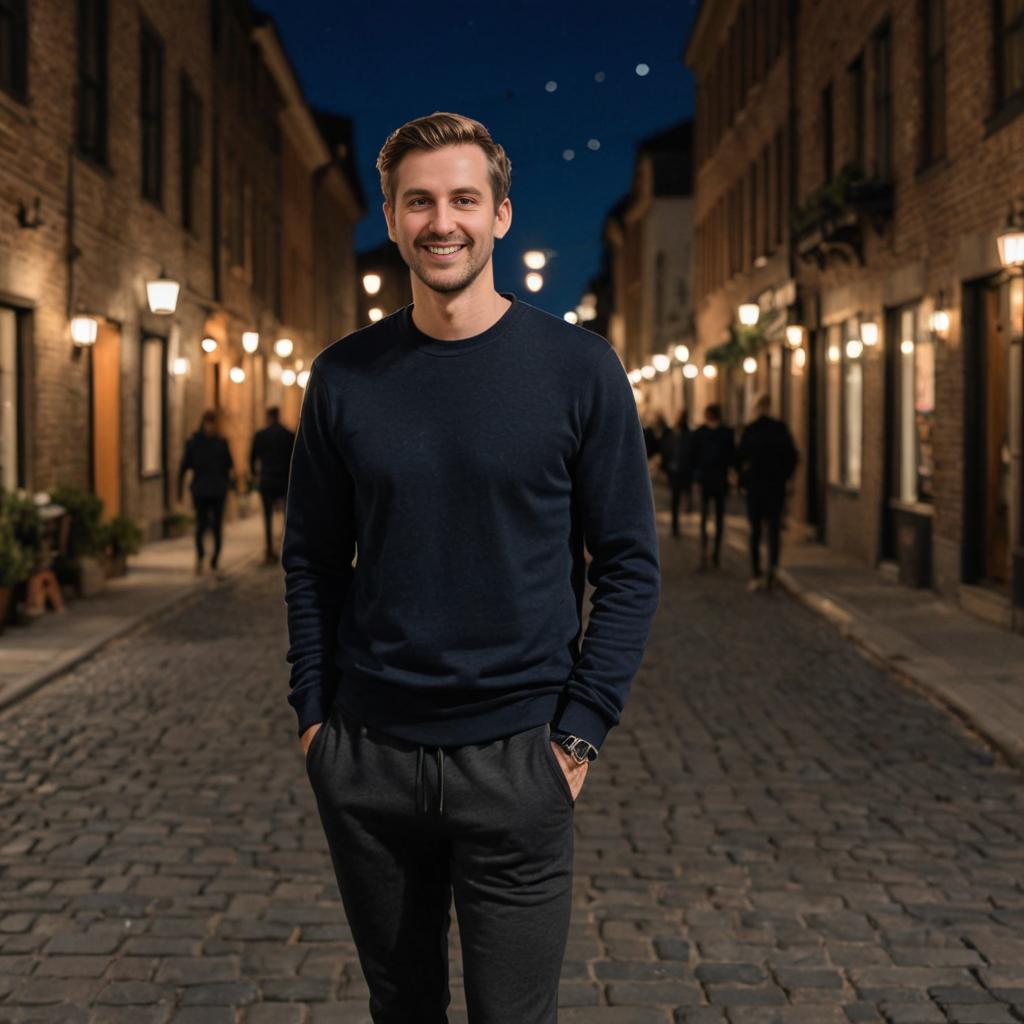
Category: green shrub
[86,510]
[121,536]
[15,562]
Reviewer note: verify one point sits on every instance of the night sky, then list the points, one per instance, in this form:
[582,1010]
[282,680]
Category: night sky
[384,64]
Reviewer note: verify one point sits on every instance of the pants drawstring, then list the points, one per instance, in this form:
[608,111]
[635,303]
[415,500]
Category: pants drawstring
[440,781]
[421,788]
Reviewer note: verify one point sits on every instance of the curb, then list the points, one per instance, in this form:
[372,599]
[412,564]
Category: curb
[180,597]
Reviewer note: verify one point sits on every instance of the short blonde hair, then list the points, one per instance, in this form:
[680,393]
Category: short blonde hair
[435,132]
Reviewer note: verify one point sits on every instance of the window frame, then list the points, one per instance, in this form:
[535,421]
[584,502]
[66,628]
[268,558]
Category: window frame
[152,115]
[146,341]
[838,408]
[93,83]
[858,122]
[14,63]
[933,80]
[190,150]
[883,99]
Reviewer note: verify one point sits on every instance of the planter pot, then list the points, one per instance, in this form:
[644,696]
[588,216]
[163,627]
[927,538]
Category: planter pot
[115,565]
[92,577]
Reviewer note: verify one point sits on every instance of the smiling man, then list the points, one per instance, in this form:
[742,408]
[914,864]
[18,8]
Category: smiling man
[451,463]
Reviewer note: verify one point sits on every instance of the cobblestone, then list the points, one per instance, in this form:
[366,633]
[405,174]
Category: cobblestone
[778,833]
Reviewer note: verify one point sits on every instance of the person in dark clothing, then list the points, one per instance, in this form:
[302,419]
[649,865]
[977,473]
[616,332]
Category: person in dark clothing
[766,459]
[712,450]
[675,463]
[269,459]
[208,457]
[452,463]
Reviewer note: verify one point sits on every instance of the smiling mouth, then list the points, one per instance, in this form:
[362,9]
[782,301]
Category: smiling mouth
[443,251]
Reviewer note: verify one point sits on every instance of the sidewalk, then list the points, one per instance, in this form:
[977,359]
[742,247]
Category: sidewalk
[160,577]
[972,667]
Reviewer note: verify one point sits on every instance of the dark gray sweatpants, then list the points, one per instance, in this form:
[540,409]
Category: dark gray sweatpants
[408,826]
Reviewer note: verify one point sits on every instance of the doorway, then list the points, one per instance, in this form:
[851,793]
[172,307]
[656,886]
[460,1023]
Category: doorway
[991,494]
[105,415]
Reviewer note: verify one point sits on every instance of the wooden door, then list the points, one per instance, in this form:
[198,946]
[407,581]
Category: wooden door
[996,442]
[106,418]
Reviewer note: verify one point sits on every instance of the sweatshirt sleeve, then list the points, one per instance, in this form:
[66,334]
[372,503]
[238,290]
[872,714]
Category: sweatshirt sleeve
[317,552]
[612,491]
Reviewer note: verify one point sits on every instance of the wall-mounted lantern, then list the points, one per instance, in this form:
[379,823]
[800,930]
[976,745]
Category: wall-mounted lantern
[162,294]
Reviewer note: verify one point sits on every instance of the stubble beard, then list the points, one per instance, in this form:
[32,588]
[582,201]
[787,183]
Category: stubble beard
[443,283]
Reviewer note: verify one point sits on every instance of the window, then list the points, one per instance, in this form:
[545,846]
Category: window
[915,408]
[934,81]
[883,102]
[781,209]
[844,385]
[856,74]
[92,79]
[152,396]
[1009,51]
[827,136]
[753,229]
[13,48]
[191,124]
[151,114]
[764,237]
[10,421]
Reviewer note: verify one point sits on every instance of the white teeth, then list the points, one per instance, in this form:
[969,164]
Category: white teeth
[444,250]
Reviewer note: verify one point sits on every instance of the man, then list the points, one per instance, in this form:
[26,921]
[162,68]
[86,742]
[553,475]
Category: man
[766,460]
[208,456]
[467,446]
[269,458]
[711,455]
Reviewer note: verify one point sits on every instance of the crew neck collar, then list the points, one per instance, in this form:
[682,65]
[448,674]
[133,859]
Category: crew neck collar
[461,346]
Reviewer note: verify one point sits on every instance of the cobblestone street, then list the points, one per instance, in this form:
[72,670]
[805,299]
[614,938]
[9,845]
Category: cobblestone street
[779,832]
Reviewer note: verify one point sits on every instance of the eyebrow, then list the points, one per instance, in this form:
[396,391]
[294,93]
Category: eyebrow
[468,190]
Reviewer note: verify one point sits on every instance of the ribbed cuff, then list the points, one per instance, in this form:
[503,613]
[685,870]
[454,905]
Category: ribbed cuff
[308,705]
[580,720]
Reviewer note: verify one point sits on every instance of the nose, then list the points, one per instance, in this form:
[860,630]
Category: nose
[443,222]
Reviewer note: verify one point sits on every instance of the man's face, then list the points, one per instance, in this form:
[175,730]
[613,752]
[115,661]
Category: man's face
[444,220]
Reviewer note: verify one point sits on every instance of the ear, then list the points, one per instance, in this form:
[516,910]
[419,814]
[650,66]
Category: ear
[503,218]
[389,216]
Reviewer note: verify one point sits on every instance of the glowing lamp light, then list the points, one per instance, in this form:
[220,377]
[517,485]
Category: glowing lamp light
[869,333]
[284,347]
[162,295]
[570,316]
[1011,245]
[635,376]
[690,371]
[648,372]
[208,344]
[237,375]
[750,365]
[535,259]
[371,283]
[179,367]
[288,377]
[661,362]
[907,346]
[794,335]
[681,352]
[375,314]
[854,348]
[800,358]
[534,281]
[302,378]
[250,341]
[274,370]
[711,371]
[940,321]
[749,313]
[83,330]
[833,354]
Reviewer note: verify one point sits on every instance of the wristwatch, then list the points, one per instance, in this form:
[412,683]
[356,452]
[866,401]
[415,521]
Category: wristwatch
[577,748]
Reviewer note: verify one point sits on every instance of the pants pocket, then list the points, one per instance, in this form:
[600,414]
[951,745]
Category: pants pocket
[551,759]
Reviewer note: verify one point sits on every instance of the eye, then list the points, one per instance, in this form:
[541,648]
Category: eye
[416,202]
[466,199]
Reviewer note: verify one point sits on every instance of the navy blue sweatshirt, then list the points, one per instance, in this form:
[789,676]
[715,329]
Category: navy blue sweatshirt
[463,478]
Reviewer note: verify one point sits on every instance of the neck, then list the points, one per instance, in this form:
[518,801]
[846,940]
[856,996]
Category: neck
[453,315]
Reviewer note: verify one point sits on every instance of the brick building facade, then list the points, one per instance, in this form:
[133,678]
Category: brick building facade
[906,146]
[142,140]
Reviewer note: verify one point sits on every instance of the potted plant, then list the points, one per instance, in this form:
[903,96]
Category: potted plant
[14,567]
[121,538]
[177,524]
[81,564]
